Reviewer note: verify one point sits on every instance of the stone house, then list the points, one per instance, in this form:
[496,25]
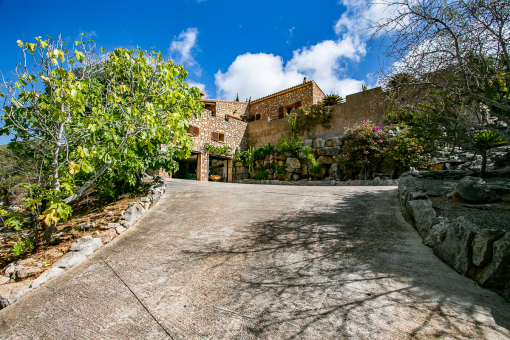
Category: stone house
[238,125]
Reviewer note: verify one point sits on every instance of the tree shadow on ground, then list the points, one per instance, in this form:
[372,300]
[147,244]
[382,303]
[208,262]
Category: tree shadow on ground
[350,268]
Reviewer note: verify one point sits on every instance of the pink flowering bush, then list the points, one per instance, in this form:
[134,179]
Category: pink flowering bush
[373,147]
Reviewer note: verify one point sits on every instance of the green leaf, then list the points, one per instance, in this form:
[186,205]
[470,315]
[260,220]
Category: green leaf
[20,43]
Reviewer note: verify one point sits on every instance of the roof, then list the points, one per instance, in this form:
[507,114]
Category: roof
[288,90]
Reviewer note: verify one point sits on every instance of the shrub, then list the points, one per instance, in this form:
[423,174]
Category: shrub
[371,147]
[265,150]
[290,145]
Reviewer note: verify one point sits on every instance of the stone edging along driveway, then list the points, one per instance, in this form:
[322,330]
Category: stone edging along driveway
[80,250]
[480,254]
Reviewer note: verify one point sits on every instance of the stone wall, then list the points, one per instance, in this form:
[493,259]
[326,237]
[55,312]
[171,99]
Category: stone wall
[307,93]
[357,107]
[232,129]
[231,108]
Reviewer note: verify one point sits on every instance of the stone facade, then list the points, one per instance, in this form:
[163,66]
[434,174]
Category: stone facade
[273,106]
[230,132]
[223,123]
[356,108]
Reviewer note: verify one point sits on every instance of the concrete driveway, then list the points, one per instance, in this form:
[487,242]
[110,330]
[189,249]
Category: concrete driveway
[233,261]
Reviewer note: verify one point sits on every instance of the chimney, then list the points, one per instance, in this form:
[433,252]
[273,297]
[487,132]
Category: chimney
[304,81]
[202,93]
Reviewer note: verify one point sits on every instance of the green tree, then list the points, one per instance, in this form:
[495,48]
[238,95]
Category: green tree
[331,99]
[483,142]
[93,126]
[456,46]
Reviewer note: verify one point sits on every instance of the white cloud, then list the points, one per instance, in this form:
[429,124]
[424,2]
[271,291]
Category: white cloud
[183,45]
[201,86]
[258,75]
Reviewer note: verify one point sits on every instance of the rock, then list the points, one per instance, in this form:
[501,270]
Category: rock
[86,245]
[436,235]
[133,213]
[46,276]
[19,291]
[376,182]
[70,259]
[505,295]
[22,269]
[333,142]
[497,277]
[456,248]
[146,205]
[307,142]
[498,188]
[482,246]
[406,184]
[292,163]
[113,225]
[472,190]
[120,229]
[4,279]
[3,302]
[325,160]
[319,143]
[86,225]
[295,177]
[284,177]
[126,224]
[331,151]
[108,236]
[422,215]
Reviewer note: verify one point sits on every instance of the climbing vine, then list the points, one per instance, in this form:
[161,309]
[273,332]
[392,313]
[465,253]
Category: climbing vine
[214,150]
[309,116]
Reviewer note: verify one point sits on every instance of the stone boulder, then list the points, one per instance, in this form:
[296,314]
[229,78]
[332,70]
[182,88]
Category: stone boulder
[335,141]
[46,276]
[325,160]
[307,142]
[473,190]
[22,269]
[292,163]
[329,151]
[70,259]
[108,236]
[408,183]
[422,215]
[482,246]
[456,249]
[86,245]
[497,277]
[319,143]
[436,235]
[133,213]
[334,171]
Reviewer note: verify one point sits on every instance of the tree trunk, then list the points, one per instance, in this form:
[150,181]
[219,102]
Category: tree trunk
[484,163]
[48,232]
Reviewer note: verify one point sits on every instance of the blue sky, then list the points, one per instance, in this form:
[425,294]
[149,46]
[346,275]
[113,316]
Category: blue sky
[253,48]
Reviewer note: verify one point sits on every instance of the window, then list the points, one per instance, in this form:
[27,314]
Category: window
[220,137]
[280,112]
[194,130]
[257,117]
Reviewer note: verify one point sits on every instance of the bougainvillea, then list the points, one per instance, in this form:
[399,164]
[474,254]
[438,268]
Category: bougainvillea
[373,147]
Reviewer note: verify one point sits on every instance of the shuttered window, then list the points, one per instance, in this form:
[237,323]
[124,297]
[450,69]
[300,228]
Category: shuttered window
[257,117]
[194,130]
[281,111]
[220,137]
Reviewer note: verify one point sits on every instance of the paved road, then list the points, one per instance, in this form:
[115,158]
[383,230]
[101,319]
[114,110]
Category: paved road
[232,261]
